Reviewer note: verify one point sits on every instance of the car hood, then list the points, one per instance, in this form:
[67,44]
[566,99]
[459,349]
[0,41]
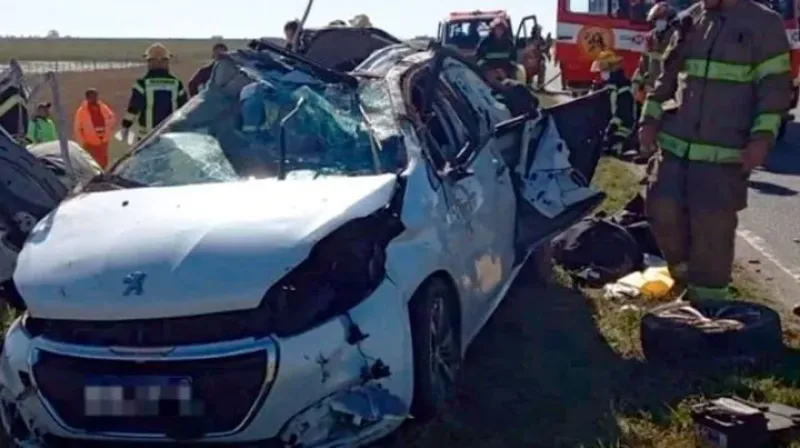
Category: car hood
[197,249]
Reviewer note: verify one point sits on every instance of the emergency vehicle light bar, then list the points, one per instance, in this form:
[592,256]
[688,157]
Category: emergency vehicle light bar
[476,14]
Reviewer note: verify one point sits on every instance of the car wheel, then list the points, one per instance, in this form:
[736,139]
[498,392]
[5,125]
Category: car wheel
[437,347]
[714,330]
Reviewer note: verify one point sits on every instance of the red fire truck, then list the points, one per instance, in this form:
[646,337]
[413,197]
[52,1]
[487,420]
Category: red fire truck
[587,27]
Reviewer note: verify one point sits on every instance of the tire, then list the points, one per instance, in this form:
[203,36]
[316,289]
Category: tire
[758,337]
[434,304]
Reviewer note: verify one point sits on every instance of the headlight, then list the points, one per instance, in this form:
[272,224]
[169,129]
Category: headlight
[342,270]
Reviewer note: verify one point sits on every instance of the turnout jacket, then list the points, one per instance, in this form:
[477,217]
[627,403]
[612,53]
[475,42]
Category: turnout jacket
[154,97]
[651,61]
[729,73]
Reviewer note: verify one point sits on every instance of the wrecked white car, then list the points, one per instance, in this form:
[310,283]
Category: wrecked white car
[298,257]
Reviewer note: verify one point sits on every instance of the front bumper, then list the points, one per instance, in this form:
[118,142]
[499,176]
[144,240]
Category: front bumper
[257,390]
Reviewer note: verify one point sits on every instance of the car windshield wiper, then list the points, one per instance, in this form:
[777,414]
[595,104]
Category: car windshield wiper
[109,179]
[321,72]
[282,138]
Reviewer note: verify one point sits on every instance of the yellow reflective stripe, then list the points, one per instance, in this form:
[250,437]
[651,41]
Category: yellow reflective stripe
[696,292]
[148,109]
[776,65]
[652,109]
[622,131]
[719,71]
[13,100]
[698,152]
[613,99]
[767,123]
[151,86]
[655,55]
[138,87]
[129,117]
[497,55]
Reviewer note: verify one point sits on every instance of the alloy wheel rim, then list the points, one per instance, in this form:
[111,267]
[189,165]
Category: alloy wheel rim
[443,352]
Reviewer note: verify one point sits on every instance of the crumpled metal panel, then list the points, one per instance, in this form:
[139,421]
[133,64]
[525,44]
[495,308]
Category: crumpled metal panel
[343,48]
[581,124]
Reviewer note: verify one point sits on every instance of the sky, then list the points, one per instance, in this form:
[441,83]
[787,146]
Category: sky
[242,18]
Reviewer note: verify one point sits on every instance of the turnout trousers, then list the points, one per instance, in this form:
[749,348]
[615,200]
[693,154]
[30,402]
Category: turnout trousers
[693,212]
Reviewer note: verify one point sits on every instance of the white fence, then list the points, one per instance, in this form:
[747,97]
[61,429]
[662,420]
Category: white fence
[72,66]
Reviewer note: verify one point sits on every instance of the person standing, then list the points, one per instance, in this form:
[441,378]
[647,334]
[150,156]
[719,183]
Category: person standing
[497,50]
[42,129]
[623,106]
[660,17]
[154,96]
[727,74]
[93,124]
[203,74]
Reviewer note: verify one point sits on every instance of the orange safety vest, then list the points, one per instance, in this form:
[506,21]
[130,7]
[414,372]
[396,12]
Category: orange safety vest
[86,132]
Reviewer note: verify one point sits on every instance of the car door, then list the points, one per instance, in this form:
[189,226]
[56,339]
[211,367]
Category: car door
[574,128]
[459,203]
[477,108]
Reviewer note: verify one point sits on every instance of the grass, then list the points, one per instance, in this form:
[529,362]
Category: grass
[79,49]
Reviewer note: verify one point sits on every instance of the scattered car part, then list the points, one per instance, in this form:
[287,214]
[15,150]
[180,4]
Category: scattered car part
[737,423]
[711,330]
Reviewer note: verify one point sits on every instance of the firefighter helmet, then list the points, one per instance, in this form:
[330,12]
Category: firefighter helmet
[606,60]
[157,51]
[661,10]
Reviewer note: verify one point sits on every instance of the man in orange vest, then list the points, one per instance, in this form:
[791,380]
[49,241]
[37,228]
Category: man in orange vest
[94,122]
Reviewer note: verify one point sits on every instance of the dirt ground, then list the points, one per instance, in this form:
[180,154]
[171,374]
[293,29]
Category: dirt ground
[114,87]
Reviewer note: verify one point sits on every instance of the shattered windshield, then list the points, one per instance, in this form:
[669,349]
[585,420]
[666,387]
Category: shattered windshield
[259,123]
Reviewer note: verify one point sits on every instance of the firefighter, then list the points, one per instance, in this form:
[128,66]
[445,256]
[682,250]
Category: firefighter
[13,113]
[42,129]
[497,50]
[732,59]
[623,106]
[660,17]
[155,95]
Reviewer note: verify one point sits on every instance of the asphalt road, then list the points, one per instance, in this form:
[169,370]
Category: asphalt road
[769,229]
[771,224]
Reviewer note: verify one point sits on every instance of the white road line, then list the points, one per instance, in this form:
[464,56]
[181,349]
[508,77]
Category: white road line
[763,248]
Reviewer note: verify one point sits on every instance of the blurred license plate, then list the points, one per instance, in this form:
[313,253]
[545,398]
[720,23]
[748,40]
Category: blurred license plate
[140,396]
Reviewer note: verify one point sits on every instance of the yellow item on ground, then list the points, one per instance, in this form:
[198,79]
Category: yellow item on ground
[652,283]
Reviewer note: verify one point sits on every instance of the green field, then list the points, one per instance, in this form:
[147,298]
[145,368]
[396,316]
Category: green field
[76,49]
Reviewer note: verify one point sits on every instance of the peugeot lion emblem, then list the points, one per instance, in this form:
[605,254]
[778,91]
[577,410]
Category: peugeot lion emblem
[134,283]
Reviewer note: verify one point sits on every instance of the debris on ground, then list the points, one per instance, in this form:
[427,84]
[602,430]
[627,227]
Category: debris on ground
[601,250]
[745,424]
[650,284]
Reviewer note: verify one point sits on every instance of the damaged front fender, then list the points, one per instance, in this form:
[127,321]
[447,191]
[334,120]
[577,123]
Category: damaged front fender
[351,417]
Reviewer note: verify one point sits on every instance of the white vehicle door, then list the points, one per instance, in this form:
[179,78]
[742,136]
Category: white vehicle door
[467,192]
[477,107]
[472,102]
